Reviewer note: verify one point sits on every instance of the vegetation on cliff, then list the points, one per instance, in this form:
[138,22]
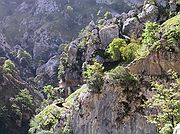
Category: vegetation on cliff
[97,84]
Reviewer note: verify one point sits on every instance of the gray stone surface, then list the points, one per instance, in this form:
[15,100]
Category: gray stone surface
[50,67]
[106,113]
[149,13]
[132,26]
[107,34]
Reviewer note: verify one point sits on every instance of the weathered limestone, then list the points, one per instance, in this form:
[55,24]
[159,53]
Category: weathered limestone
[107,34]
[157,63]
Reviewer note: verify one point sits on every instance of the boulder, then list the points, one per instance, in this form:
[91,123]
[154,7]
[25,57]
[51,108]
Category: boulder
[149,13]
[107,34]
[132,26]
[157,63]
[50,67]
[72,53]
[132,13]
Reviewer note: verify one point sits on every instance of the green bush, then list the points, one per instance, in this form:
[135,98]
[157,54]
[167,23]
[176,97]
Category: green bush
[24,54]
[130,52]
[49,91]
[8,66]
[178,2]
[46,120]
[167,129]
[13,111]
[94,75]
[121,75]
[113,48]
[171,31]
[108,15]
[166,99]
[24,98]
[150,34]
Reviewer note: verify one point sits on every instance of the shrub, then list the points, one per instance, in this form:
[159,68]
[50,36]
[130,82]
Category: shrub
[49,91]
[8,66]
[150,34]
[24,54]
[130,51]
[13,112]
[122,75]
[108,15]
[24,98]
[46,120]
[171,31]
[114,48]
[166,99]
[94,75]
[178,2]
[167,129]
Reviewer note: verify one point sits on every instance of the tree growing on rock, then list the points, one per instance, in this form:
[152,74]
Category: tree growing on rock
[8,66]
[114,48]
[166,100]
[94,75]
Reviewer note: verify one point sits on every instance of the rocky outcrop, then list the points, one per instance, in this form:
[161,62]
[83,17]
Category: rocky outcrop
[47,73]
[107,34]
[115,111]
[149,13]
[50,67]
[72,53]
[156,63]
[132,26]
[45,7]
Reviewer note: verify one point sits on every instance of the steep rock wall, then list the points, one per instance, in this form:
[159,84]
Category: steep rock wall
[114,111]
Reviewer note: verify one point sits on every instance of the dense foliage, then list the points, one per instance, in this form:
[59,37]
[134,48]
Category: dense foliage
[94,75]
[8,66]
[114,48]
[171,31]
[14,112]
[150,34]
[166,101]
[122,76]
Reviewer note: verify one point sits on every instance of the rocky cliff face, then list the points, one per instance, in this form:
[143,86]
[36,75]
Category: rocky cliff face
[116,110]
[41,26]
[32,34]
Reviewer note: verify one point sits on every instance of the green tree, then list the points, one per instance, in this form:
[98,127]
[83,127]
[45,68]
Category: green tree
[94,75]
[114,48]
[166,100]
[24,98]
[24,54]
[130,52]
[150,34]
[13,111]
[49,91]
[8,66]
